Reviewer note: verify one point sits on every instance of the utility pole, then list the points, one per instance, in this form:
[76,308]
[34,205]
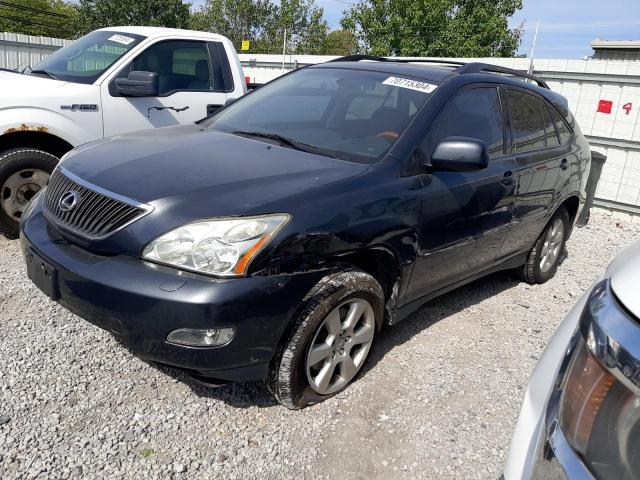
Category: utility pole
[533,47]
[284,48]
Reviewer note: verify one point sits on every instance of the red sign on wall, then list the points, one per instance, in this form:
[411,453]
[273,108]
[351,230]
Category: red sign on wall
[604,106]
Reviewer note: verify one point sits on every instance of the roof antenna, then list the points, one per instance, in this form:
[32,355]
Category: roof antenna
[533,48]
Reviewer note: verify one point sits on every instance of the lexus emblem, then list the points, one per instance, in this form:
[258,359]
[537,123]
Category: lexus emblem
[68,200]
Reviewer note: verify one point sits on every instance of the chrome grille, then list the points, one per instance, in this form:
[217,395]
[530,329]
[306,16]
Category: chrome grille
[95,214]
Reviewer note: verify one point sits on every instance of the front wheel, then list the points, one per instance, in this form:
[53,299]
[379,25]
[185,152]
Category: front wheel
[330,341]
[544,257]
[23,173]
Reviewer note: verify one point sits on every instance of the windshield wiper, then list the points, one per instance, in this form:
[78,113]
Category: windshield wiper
[304,147]
[46,72]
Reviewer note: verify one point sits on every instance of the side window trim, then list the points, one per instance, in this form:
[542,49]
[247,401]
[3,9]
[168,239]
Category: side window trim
[112,84]
[473,86]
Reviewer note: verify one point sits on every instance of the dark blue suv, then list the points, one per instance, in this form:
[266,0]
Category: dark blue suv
[274,239]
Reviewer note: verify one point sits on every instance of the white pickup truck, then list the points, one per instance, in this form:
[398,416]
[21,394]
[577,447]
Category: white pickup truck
[110,81]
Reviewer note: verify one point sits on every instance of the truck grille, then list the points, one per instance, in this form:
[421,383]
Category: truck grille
[87,212]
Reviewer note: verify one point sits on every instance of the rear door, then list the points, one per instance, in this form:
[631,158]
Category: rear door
[192,84]
[542,166]
[466,215]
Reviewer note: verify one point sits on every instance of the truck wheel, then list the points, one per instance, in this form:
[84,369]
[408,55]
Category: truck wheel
[330,340]
[544,257]
[23,173]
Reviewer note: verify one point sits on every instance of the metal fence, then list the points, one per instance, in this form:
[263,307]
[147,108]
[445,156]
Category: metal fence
[18,51]
[603,94]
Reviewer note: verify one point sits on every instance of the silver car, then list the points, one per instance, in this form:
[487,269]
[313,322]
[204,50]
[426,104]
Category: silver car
[581,412]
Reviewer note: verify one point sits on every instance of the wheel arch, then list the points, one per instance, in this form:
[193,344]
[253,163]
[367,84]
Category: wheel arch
[39,139]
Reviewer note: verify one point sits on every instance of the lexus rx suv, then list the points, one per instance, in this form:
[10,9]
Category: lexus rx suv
[274,239]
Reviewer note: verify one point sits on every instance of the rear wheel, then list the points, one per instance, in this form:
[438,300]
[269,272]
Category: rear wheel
[331,340]
[23,173]
[544,258]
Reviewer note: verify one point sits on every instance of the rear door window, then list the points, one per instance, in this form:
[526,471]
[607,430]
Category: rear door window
[532,127]
[474,113]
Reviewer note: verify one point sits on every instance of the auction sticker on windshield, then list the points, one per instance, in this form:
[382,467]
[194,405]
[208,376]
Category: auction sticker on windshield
[122,39]
[411,84]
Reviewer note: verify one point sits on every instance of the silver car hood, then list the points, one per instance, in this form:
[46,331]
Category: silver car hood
[624,272]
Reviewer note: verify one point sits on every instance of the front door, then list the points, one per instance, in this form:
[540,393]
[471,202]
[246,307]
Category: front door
[466,215]
[191,84]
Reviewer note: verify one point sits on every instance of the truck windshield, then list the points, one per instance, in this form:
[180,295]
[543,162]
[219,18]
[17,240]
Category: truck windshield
[354,115]
[84,60]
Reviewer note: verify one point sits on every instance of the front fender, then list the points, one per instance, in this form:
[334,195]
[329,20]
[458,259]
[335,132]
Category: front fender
[74,128]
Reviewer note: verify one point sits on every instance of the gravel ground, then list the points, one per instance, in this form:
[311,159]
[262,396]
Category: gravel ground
[439,398]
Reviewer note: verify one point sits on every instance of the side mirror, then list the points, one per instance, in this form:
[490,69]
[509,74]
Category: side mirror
[460,154]
[139,84]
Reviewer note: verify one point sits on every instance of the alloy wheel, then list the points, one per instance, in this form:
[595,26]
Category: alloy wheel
[552,245]
[340,346]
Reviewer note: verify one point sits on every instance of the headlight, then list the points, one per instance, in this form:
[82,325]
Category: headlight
[222,247]
[599,411]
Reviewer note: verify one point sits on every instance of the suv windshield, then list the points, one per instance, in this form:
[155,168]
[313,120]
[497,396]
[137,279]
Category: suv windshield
[354,115]
[84,60]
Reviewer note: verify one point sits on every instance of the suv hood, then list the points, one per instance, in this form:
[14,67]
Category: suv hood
[198,172]
[624,272]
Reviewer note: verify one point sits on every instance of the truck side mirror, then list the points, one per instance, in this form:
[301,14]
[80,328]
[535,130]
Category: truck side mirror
[460,154]
[139,84]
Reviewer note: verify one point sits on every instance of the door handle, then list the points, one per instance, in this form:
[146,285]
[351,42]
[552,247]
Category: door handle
[212,108]
[564,164]
[508,178]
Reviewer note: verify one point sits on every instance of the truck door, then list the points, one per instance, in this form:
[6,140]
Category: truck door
[192,83]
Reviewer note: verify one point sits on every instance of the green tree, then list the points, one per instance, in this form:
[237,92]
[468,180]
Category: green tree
[263,23]
[438,28]
[93,14]
[237,20]
[50,18]
[340,42]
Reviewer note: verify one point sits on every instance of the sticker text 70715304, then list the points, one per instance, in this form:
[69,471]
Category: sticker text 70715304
[411,84]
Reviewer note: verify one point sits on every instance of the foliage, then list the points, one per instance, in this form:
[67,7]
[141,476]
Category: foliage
[49,18]
[263,23]
[93,14]
[340,42]
[438,28]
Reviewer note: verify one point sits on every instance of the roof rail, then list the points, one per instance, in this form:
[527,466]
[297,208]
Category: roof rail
[357,58]
[473,67]
[477,67]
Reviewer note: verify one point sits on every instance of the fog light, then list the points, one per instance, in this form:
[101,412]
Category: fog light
[208,337]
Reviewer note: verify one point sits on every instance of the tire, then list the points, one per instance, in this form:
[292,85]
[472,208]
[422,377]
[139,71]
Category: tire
[23,172]
[540,268]
[290,380]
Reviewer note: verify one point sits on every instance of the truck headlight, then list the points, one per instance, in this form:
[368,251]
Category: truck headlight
[222,247]
[599,413]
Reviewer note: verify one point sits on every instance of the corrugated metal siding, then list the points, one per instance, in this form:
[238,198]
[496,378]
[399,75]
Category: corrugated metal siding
[18,51]
[630,55]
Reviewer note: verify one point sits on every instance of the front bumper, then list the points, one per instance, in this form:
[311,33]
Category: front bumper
[141,303]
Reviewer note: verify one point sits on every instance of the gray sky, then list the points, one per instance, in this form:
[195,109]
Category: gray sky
[566,26]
